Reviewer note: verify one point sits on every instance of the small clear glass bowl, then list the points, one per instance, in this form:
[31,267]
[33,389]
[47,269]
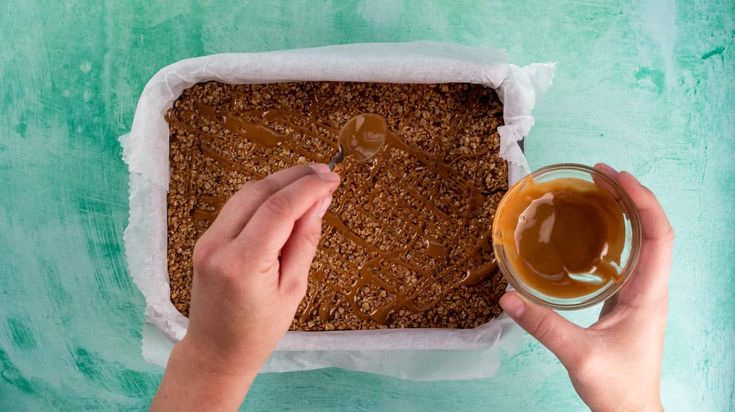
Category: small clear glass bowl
[631,249]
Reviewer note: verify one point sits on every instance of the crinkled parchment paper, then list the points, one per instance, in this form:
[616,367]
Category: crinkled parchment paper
[422,354]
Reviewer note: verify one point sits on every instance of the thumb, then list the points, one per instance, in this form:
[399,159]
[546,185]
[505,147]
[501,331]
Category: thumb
[560,336]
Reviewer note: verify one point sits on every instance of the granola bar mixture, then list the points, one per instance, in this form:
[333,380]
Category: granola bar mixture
[406,242]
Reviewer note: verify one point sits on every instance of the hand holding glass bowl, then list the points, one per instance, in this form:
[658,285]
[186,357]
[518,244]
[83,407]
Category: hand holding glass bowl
[567,236]
[560,244]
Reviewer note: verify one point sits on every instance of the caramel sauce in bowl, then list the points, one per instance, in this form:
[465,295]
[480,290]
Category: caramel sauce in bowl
[567,236]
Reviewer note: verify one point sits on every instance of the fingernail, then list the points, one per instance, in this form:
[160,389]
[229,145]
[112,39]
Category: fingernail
[513,305]
[323,206]
[320,168]
[604,167]
[329,176]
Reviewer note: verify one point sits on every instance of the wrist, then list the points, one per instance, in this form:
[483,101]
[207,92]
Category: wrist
[211,363]
[636,406]
[195,380]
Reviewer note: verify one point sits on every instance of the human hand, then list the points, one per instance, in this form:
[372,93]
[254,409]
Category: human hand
[615,364]
[250,274]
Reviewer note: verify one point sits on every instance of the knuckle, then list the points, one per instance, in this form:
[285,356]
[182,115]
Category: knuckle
[544,328]
[295,290]
[254,188]
[209,261]
[311,236]
[669,235]
[203,251]
[278,206]
[249,186]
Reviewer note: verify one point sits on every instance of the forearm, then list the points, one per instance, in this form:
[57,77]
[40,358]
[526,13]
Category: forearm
[653,406]
[189,383]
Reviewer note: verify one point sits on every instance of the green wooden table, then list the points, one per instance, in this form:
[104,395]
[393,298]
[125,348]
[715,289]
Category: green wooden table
[646,86]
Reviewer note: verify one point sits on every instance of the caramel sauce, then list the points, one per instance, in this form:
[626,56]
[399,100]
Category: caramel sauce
[365,136]
[255,132]
[480,273]
[434,248]
[563,238]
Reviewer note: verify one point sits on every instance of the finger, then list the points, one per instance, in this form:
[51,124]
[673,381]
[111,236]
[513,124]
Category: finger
[560,336]
[609,172]
[655,224]
[299,250]
[272,224]
[240,207]
[650,280]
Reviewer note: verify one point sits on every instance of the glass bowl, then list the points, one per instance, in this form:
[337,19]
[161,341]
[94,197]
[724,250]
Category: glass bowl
[631,246]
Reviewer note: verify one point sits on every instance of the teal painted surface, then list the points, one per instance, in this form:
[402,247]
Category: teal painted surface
[646,86]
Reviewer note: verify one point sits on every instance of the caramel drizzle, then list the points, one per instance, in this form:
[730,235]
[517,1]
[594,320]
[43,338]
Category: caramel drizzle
[206,207]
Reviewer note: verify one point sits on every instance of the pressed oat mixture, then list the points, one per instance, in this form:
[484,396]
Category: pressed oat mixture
[406,241]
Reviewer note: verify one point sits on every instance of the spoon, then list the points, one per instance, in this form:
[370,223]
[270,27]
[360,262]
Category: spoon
[338,158]
[361,137]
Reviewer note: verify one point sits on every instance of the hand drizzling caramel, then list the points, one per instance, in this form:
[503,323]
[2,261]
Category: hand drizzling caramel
[563,238]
